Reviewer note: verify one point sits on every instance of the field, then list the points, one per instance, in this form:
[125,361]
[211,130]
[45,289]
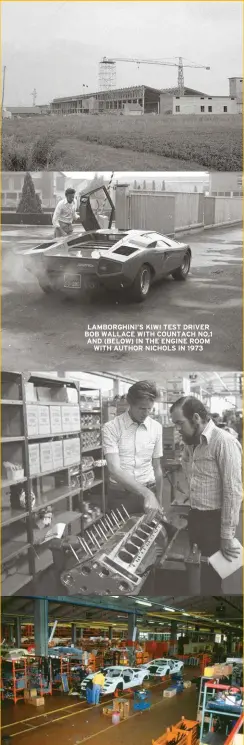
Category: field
[104,142]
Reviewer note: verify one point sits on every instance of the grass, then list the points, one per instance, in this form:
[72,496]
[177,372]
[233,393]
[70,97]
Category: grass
[169,142]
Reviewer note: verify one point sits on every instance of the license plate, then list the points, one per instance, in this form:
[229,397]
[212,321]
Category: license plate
[73,281]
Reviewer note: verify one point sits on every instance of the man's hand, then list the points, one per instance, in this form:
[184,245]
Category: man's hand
[228,549]
[150,501]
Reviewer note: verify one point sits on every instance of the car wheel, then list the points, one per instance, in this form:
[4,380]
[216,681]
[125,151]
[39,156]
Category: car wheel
[183,270]
[45,286]
[142,284]
[119,687]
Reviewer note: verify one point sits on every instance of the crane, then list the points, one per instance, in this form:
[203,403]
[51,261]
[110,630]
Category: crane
[108,67]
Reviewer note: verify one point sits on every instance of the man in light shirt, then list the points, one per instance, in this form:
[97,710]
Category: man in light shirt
[212,462]
[65,214]
[132,444]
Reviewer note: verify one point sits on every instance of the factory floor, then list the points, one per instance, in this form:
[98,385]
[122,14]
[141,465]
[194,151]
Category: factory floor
[65,721]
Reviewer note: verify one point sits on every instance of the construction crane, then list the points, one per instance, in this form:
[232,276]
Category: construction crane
[107,69]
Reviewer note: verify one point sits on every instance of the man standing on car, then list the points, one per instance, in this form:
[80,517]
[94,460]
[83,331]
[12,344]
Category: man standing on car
[65,214]
[132,445]
[212,462]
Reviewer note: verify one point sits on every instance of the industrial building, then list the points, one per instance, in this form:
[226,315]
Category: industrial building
[145,100]
[163,658]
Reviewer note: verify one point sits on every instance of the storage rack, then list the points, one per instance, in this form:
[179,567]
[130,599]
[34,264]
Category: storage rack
[23,555]
[208,715]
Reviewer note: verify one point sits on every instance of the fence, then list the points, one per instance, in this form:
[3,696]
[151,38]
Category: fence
[172,213]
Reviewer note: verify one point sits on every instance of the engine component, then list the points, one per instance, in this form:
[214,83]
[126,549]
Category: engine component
[119,562]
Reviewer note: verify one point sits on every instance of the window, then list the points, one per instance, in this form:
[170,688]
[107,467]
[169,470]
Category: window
[202,98]
[210,109]
[209,98]
[177,97]
[225,109]
[177,109]
[202,109]
[125,251]
[241,80]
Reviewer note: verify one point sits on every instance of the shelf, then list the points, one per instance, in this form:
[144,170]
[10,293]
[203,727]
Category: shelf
[67,517]
[10,516]
[97,482]
[52,436]
[5,483]
[90,411]
[10,402]
[55,495]
[12,439]
[33,402]
[13,549]
[89,449]
[12,584]
[90,429]
[53,471]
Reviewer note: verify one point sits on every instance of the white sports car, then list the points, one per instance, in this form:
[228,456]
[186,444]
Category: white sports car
[163,666]
[13,655]
[119,678]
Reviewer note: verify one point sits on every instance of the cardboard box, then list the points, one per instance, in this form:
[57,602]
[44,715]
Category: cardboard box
[30,693]
[57,453]
[122,706]
[30,392]
[75,418]
[34,459]
[55,420]
[66,418]
[38,701]
[46,456]
[32,420]
[218,671]
[108,711]
[71,449]
[169,692]
[44,420]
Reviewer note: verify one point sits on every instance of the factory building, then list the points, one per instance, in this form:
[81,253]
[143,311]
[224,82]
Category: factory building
[228,184]
[145,100]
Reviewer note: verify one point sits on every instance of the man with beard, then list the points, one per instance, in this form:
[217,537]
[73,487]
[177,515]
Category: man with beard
[212,461]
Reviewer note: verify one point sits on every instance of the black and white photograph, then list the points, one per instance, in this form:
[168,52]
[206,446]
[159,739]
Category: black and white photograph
[114,484]
[108,86]
[141,267]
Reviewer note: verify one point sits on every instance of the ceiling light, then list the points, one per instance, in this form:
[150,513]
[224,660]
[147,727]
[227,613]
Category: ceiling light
[171,610]
[185,614]
[144,602]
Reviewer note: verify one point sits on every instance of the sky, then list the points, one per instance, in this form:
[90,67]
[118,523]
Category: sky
[55,47]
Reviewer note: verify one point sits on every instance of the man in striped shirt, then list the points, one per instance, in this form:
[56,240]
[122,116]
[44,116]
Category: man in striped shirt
[132,444]
[65,214]
[212,462]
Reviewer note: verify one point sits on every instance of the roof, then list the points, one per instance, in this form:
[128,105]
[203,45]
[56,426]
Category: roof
[82,96]
[187,91]
[23,109]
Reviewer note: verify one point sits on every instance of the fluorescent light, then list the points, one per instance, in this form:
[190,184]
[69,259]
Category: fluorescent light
[171,610]
[144,602]
[185,614]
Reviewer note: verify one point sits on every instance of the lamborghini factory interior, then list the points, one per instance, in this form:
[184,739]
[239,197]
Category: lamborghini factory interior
[70,528]
[153,670]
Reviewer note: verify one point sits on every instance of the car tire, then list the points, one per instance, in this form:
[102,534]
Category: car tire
[45,286]
[182,271]
[119,687]
[141,285]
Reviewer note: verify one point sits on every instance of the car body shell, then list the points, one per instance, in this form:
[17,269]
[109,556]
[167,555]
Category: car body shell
[118,676]
[104,258]
[163,666]
[14,655]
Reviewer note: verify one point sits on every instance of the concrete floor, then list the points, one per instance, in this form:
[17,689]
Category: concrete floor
[42,332]
[70,723]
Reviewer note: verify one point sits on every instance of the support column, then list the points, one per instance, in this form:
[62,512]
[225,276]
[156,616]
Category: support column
[41,626]
[229,644]
[131,625]
[173,636]
[73,633]
[17,632]
[110,633]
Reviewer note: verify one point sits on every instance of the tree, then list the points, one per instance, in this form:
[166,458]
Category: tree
[29,200]
[153,186]
[195,189]
[163,186]
[144,185]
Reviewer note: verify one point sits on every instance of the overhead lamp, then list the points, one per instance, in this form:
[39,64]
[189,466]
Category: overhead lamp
[144,602]
[185,614]
[171,610]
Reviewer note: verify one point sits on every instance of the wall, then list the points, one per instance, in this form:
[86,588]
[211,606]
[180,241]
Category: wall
[166,104]
[227,210]
[144,210]
[235,88]
[188,210]
[193,104]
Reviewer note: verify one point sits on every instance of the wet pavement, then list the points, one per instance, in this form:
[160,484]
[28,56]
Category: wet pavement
[44,332]
[72,723]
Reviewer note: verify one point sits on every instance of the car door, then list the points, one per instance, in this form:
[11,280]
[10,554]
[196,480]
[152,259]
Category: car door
[128,678]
